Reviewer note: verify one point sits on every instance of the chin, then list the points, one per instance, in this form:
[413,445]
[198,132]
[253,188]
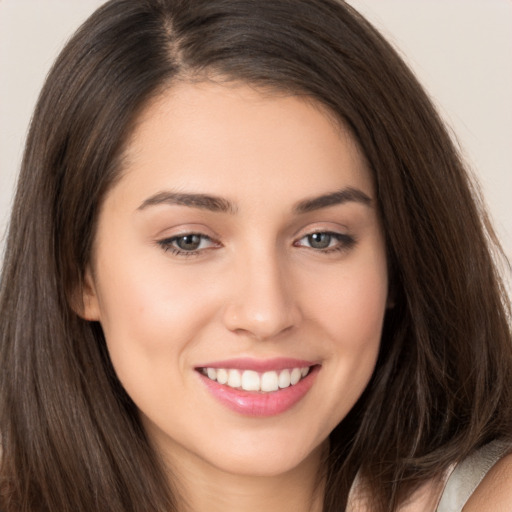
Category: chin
[259,459]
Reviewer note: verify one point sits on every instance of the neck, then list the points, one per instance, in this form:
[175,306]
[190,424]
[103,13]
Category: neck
[203,488]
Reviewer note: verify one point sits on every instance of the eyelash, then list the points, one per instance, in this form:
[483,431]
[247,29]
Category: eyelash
[345,243]
[168,244]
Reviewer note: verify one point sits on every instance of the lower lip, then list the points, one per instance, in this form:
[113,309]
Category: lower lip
[253,403]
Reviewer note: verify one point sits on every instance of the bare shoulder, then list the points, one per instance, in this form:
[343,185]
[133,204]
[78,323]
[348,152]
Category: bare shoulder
[495,491]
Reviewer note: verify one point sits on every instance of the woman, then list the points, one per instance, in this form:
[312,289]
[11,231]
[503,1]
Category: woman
[246,270]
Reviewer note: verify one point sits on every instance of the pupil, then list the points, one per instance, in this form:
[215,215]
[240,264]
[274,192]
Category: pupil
[319,240]
[189,242]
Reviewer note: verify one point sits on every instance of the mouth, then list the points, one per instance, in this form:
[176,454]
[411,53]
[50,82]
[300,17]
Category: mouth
[251,380]
[259,389]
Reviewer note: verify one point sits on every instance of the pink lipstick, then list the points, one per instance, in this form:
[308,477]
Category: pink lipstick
[259,387]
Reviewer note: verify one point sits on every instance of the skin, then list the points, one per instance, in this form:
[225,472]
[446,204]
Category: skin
[495,491]
[255,288]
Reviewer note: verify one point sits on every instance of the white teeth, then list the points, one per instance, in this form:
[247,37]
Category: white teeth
[222,376]
[284,379]
[295,376]
[250,380]
[269,382]
[234,379]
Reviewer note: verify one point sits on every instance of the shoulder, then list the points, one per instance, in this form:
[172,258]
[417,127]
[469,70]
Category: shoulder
[495,491]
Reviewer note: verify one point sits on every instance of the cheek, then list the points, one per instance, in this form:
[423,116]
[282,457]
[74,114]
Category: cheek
[351,311]
[149,316]
[140,297]
[353,305]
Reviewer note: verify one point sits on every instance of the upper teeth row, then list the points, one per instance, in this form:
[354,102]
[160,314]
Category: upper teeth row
[250,380]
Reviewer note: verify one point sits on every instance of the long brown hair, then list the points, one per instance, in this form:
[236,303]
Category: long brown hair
[71,437]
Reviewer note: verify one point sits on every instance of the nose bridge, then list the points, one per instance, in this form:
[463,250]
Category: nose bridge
[263,305]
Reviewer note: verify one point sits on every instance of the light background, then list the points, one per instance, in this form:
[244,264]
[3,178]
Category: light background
[461,50]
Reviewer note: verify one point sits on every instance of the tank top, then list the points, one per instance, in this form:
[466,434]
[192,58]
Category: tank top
[453,491]
[467,475]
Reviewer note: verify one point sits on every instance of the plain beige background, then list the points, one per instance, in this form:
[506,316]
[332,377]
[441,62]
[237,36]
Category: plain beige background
[461,51]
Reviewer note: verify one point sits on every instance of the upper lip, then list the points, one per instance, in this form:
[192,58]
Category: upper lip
[259,365]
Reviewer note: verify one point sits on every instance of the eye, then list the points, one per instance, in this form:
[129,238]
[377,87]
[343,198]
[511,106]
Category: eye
[326,241]
[320,240]
[187,244]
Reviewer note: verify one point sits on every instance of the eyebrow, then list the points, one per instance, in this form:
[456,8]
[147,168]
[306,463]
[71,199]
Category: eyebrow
[202,201]
[222,205]
[343,196]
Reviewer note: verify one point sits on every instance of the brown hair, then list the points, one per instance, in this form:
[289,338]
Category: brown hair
[71,437]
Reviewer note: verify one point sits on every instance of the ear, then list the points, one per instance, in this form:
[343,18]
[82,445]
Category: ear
[85,301]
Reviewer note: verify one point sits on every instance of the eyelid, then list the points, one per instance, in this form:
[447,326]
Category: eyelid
[167,243]
[345,241]
[170,230]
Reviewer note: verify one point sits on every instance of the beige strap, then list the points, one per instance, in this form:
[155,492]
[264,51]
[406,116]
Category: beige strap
[468,474]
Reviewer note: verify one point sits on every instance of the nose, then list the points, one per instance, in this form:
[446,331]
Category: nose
[263,304]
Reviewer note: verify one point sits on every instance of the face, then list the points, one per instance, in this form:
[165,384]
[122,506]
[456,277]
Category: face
[239,275]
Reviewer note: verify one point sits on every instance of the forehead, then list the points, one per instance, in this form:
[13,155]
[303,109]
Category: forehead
[223,135]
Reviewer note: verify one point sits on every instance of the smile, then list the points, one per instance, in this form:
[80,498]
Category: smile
[259,388]
[250,380]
